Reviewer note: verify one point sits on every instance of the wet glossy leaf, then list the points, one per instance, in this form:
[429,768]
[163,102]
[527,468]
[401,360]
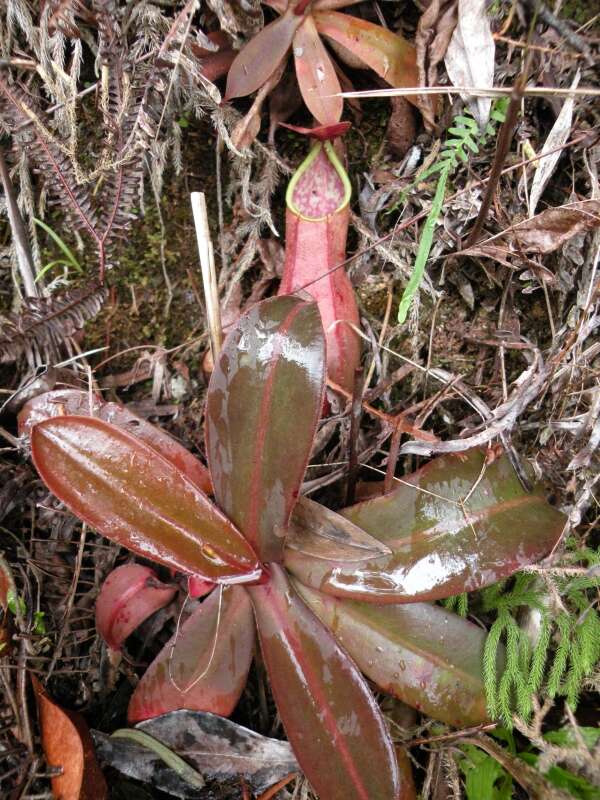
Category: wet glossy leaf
[128,492]
[451,527]
[8,593]
[428,657]
[391,56]
[198,587]
[205,664]
[264,400]
[316,75]
[322,533]
[68,746]
[75,402]
[219,749]
[129,595]
[7,584]
[316,224]
[329,713]
[257,61]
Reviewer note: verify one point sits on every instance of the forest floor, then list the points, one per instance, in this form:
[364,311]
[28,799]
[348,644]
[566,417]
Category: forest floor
[513,322]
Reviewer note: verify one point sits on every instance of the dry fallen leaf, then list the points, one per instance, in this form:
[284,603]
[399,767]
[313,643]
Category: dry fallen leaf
[435,29]
[68,745]
[543,233]
[470,55]
[220,750]
[556,138]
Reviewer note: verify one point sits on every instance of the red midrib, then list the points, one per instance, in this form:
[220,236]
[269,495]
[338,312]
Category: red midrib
[329,722]
[251,527]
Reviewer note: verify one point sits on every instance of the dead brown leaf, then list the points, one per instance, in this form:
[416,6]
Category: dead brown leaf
[543,233]
[553,227]
[246,130]
[434,32]
[401,129]
[68,745]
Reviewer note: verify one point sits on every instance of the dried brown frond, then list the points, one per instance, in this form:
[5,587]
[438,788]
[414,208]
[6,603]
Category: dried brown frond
[38,330]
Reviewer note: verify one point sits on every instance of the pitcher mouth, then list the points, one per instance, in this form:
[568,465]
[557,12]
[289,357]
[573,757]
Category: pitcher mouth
[320,186]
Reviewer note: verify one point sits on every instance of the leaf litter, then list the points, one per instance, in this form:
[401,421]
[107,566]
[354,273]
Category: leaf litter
[516,364]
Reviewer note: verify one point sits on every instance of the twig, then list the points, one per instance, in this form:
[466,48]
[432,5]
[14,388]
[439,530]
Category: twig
[209,275]
[18,231]
[357,393]
[392,459]
[475,91]
[560,26]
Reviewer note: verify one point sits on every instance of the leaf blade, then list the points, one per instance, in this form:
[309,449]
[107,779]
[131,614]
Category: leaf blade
[264,400]
[317,79]
[257,61]
[129,595]
[131,494]
[388,54]
[328,711]
[440,548]
[426,656]
[204,666]
[75,402]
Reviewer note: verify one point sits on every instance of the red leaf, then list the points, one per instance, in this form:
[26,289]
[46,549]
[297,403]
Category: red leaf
[317,218]
[129,595]
[198,587]
[77,403]
[321,132]
[204,666]
[421,653]
[131,494]
[330,716]
[452,526]
[317,80]
[67,745]
[259,59]
[264,400]
[320,532]
[391,56]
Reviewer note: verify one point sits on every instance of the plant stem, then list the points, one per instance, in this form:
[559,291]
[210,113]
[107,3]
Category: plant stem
[18,231]
[354,429]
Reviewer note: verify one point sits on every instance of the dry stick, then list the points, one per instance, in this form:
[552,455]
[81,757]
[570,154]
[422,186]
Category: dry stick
[392,459]
[504,141]
[18,231]
[209,275]
[561,27]
[357,392]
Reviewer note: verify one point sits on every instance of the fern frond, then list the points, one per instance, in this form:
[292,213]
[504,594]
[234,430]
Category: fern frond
[464,136]
[43,324]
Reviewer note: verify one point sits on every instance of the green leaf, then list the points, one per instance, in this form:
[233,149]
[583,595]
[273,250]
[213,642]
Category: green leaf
[66,250]
[575,785]
[421,653]
[131,494]
[456,525]
[425,243]
[329,713]
[484,777]
[263,404]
